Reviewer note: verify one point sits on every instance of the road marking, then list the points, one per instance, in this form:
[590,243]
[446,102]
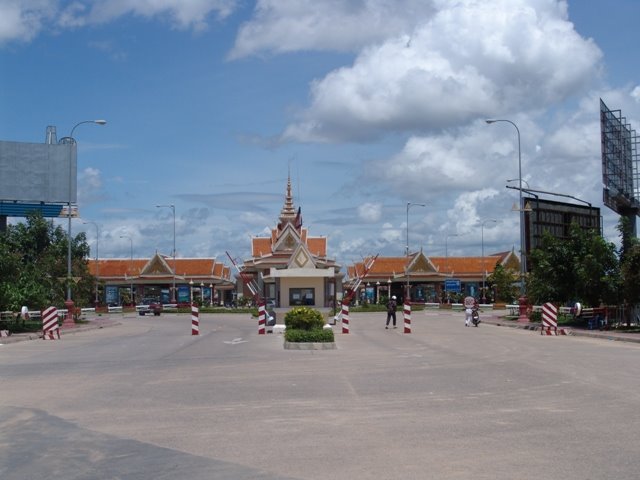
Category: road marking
[236,341]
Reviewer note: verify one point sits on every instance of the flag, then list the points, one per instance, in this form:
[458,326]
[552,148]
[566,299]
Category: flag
[298,221]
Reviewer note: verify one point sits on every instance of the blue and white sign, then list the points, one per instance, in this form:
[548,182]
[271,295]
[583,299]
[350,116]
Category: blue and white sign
[452,285]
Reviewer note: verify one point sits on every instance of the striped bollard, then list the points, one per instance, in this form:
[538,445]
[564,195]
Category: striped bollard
[195,320]
[50,323]
[345,318]
[549,319]
[407,317]
[262,318]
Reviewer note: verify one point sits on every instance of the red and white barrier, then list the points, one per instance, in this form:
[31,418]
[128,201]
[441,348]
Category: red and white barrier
[50,323]
[345,318]
[195,320]
[262,318]
[557,331]
[549,319]
[406,312]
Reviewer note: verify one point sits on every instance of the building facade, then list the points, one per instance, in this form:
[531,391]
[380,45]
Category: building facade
[426,279]
[201,280]
[291,267]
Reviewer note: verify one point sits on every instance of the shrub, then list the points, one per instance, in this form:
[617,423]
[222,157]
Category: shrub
[317,335]
[303,318]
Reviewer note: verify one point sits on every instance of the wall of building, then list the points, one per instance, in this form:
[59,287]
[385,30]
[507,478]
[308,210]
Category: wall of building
[316,283]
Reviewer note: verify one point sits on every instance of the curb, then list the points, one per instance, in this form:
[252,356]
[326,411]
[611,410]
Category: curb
[603,335]
[23,337]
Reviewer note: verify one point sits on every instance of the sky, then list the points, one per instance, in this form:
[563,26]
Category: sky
[367,105]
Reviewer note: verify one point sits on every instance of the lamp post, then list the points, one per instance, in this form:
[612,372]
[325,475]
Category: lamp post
[97,259]
[388,289]
[173,209]
[523,259]
[446,248]
[408,288]
[69,302]
[484,270]
[211,294]
[191,291]
[378,292]
[130,278]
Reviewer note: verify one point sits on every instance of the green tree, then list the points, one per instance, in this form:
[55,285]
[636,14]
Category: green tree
[583,267]
[629,266]
[33,259]
[504,282]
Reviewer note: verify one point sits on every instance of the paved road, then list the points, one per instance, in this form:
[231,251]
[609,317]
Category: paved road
[146,400]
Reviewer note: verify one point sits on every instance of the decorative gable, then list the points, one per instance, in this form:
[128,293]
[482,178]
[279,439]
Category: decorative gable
[421,264]
[156,266]
[301,258]
[287,240]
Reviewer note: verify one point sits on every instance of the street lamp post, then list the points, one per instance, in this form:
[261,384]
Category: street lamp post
[69,302]
[131,264]
[408,288]
[446,249]
[523,260]
[97,259]
[484,269]
[173,209]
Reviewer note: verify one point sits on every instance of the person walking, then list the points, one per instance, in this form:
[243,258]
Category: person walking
[391,311]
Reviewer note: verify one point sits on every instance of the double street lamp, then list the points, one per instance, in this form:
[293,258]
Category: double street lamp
[484,269]
[408,288]
[97,259]
[130,264]
[173,209]
[523,258]
[69,302]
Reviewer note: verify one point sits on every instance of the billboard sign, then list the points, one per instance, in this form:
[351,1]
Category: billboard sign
[38,172]
[619,145]
[556,218]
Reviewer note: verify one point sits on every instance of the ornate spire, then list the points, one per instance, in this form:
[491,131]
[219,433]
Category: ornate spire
[288,213]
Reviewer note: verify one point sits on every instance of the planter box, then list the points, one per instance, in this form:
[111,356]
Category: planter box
[309,345]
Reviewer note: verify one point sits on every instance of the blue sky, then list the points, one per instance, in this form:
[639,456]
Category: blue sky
[369,104]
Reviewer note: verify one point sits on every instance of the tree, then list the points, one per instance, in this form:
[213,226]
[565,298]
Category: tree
[33,259]
[629,266]
[504,280]
[583,267]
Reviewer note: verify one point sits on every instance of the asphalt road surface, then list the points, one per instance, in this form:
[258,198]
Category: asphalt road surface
[146,400]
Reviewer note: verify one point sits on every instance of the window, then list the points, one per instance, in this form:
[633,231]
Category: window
[302,296]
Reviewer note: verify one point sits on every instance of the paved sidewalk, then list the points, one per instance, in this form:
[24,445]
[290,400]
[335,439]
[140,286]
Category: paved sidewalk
[498,317]
[92,324]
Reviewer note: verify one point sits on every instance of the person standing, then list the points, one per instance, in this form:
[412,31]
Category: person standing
[391,311]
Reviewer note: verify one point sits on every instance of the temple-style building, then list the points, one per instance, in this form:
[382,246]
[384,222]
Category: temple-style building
[290,266]
[429,279]
[196,279]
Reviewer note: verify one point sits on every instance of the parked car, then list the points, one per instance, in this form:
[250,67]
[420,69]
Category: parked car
[150,305]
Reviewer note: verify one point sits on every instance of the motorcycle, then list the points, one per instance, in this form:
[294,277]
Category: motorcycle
[475,317]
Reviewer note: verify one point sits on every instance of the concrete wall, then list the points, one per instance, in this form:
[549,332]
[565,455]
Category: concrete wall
[287,283]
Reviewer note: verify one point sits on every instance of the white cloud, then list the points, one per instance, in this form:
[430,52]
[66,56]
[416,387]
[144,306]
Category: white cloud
[281,26]
[472,59]
[370,212]
[24,20]
[182,14]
